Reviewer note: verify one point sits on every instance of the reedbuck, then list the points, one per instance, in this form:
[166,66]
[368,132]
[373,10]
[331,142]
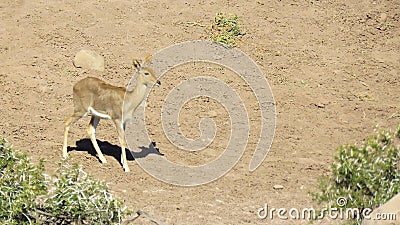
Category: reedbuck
[104,101]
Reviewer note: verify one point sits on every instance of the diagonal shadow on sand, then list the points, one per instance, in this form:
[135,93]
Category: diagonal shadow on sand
[85,145]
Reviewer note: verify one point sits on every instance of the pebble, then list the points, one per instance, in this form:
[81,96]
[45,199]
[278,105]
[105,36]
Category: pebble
[212,114]
[383,17]
[88,59]
[278,187]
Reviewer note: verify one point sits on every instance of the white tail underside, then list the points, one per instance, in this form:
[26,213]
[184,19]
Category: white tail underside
[98,114]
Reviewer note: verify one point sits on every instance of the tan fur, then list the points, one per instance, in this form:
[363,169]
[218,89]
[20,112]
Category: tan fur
[107,100]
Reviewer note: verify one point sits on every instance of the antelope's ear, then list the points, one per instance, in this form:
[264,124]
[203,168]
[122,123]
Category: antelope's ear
[136,63]
[147,59]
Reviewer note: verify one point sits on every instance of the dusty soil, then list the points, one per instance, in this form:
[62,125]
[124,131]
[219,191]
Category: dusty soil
[333,66]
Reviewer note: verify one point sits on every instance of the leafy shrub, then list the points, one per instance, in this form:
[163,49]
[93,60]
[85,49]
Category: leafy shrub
[78,197]
[226,29]
[20,183]
[366,176]
[29,197]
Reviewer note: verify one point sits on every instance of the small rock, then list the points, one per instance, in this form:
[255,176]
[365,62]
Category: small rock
[212,114]
[88,59]
[45,88]
[383,17]
[320,105]
[278,187]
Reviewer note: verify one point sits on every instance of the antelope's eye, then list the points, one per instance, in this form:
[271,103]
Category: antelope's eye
[146,73]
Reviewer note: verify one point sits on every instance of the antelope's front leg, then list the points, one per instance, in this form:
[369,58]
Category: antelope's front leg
[121,136]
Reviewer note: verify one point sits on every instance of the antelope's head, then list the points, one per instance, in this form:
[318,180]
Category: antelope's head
[146,74]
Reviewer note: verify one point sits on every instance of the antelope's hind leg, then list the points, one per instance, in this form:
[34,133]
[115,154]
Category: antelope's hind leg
[67,124]
[94,121]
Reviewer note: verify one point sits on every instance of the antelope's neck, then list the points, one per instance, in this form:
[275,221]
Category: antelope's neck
[134,98]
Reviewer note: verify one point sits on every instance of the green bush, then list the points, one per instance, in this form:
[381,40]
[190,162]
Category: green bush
[226,29]
[20,183]
[78,197]
[366,176]
[28,197]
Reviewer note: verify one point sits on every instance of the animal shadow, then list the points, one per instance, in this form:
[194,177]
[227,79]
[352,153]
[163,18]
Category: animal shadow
[85,145]
[144,151]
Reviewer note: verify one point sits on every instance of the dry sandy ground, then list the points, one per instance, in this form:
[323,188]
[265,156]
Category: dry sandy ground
[333,66]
